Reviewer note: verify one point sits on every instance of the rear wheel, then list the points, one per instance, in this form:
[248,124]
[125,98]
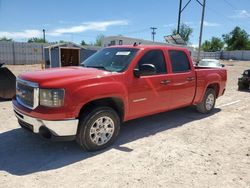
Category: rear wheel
[208,102]
[98,129]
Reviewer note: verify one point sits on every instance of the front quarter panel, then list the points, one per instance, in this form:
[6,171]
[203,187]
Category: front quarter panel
[98,88]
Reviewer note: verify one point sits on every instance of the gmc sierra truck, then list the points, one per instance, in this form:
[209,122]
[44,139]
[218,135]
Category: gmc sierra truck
[88,103]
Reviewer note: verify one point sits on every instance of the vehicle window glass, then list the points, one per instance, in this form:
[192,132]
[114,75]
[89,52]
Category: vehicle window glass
[156,58]
[111,59]
[179,61]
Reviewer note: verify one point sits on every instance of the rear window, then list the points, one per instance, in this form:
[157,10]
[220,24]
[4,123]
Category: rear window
[179,61]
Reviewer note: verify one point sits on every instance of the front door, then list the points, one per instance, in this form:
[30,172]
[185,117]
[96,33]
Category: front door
[149,94]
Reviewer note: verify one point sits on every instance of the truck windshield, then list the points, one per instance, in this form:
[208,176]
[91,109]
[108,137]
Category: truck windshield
[111,59]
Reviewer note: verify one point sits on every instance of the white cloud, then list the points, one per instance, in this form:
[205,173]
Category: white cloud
[88,26]
[175,24]
[211,24]
[22,34]
[194,45]
[170,25]
[241,14]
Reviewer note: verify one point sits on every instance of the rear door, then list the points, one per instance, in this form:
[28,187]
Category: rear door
[183,80]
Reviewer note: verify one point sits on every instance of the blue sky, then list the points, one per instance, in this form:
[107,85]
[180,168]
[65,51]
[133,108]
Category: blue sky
[78,20]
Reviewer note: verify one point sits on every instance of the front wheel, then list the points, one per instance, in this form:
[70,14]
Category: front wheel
[98,129]
[208,102]
[241,86]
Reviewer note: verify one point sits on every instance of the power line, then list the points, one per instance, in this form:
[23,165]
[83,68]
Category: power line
[230,4]
[220,14]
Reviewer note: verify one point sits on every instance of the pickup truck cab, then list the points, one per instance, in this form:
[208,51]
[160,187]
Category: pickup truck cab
[88,103]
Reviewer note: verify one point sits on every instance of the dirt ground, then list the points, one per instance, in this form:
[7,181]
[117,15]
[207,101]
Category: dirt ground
[181,148]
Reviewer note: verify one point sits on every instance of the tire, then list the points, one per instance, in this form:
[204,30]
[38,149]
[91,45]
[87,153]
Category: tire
[241,86]
[207,104]
[93,133]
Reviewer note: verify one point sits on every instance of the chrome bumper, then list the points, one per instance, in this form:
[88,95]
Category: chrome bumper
[57,128]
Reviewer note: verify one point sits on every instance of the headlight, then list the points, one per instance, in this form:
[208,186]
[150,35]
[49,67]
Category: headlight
[51,97]
[246,72]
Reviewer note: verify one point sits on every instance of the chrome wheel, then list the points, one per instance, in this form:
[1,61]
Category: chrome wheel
[210,101]
[102,130]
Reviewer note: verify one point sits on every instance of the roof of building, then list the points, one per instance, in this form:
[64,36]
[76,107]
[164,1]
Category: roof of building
[73,45]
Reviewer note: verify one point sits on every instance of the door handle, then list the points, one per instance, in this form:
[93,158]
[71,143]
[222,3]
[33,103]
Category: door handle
[165,82]
[190,79]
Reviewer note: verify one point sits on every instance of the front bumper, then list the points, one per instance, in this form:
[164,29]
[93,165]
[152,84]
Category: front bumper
[58,128]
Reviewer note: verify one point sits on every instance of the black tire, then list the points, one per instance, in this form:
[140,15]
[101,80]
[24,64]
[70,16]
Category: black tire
[241,86]
[87,120]
[202,107]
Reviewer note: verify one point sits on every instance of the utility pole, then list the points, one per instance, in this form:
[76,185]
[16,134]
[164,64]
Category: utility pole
[179,17]
[44,36]
[179,14]
[201,27]
[153,33]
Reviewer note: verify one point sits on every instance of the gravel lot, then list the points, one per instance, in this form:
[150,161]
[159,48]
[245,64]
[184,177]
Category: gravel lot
[181,148]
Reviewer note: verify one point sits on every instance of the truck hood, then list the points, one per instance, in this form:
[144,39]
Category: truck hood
[57,77]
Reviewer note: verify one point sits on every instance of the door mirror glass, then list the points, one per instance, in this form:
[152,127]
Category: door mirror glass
[145,70]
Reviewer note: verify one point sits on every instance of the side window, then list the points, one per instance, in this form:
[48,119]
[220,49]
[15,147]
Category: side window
[156,58]
[112,42]
[179,61]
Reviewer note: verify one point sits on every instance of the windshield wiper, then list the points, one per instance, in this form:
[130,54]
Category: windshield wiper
[97,67]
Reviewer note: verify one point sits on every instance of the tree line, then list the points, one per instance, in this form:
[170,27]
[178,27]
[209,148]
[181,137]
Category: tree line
[98,40]
[237,39]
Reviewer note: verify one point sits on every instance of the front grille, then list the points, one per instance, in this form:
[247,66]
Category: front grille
[27,93]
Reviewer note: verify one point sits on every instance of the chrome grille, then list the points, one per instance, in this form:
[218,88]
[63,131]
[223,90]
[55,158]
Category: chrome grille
[27,93]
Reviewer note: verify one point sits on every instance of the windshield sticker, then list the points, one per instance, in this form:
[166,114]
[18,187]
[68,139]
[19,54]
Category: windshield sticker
[122,53]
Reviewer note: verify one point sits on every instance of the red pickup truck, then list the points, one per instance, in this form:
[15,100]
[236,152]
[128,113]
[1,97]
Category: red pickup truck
[88,103]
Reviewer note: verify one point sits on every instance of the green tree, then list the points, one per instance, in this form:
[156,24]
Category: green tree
[237,39]
[216,44]
[36,40]
[206,46]
[5,39]
[98,41]
[62,41]
[185,32]
[248,45]
[83,43]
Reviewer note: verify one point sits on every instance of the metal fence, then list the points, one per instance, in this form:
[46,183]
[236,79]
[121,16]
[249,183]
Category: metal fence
[243,55]
[18,53]
[236,55]
[206,55]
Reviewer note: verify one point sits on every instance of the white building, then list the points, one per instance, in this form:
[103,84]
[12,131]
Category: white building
[121,40]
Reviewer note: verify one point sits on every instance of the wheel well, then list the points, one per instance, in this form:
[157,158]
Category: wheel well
[216,88]
[114,103]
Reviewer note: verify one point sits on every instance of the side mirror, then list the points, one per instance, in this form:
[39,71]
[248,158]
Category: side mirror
[145,70]
[137,73]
